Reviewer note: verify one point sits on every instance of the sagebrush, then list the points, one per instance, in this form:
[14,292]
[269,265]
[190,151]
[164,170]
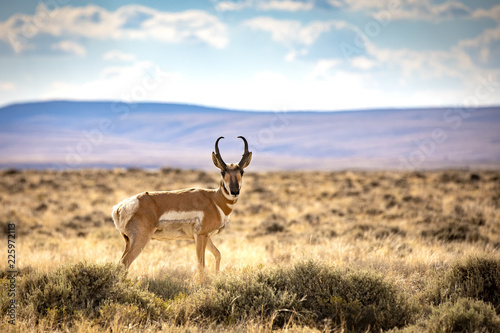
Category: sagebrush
[304,251]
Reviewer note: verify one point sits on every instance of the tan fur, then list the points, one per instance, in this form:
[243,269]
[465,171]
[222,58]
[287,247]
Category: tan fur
[183,214]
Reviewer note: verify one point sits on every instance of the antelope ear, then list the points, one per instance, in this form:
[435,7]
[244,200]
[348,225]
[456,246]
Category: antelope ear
[246,160]
[217,162]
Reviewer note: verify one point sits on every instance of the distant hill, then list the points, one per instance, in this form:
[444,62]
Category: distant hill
[64,134]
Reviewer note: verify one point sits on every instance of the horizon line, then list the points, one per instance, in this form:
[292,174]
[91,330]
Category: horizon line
[377,108]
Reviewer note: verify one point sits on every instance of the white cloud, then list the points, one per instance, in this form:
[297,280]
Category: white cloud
[492,13]
[293,54]
[335,91]
[283,31]
[423,64]
[70,47]
[484,54]
[398,9]
[271,90]
[286,5]
[127,22]
[484,40]
[7,86]
[340,89]
[118,55]
[295,35]
[132,83]
[323,68]
[290,32]
[226,6]
[185,26]
[358,4]
[264,90]
[424,10]
[265,5]
[454,63]
[395,9]
[405,9]
[269,78]
[363,63]
[423,67]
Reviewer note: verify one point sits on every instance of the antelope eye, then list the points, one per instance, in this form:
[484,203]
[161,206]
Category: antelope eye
[223,173]
[242,172]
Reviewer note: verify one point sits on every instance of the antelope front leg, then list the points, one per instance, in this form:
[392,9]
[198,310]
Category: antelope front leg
[201,244]
[211,247]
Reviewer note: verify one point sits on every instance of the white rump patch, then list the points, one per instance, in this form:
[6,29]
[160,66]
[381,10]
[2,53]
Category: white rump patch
[188,217]
[124,210]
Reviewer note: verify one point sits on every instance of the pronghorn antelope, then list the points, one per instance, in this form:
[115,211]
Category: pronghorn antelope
[194,213]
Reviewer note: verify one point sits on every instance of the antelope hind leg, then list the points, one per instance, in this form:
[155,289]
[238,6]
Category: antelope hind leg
[135,241]
[127,246]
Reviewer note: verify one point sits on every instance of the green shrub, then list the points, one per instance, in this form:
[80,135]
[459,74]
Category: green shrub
[83,290]
[165,287]
[308,293]
[477,278]
[464,315]
[122,314]
[240,299]
[356,300]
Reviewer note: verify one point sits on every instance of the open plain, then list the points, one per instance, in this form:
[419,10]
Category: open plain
[409,251]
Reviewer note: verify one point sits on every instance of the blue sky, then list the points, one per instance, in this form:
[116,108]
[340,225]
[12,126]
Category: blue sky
[253,54]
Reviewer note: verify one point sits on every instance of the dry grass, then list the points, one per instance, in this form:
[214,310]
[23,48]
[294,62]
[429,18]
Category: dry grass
[408,227]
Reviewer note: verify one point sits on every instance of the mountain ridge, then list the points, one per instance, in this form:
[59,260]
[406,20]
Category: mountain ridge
[74,134]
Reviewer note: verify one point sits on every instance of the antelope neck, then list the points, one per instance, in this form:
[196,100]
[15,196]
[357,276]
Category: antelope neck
[223,199]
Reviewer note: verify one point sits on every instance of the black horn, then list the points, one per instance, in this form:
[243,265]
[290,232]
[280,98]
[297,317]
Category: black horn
[217,159]
[247,156]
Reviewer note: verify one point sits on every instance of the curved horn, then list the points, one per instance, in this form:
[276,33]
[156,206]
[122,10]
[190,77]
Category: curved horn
[247,156]
[217,159]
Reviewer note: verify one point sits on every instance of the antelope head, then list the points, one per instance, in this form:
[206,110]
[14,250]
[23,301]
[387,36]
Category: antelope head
[232,173]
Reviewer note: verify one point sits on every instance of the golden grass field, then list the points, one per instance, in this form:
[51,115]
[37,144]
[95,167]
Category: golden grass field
[407,227]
